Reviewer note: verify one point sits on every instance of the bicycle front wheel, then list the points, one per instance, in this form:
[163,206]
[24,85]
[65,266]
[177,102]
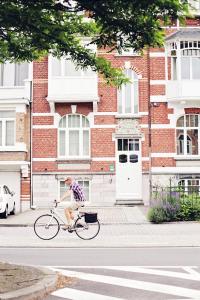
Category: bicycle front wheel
[86,231]
[46,227]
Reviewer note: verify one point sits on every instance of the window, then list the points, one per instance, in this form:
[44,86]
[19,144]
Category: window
[190,186]
[128,96]
[187,135]
[128,144]
[84,183]
[7,128]
[195,5]
[13,74]
[66,68]
[74,136]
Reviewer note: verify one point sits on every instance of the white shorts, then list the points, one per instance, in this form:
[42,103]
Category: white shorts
[72,205]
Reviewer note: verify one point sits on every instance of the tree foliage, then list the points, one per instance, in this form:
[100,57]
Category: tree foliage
[33,28]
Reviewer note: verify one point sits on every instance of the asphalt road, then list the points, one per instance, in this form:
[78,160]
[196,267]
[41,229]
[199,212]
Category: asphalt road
[103,256]
[118,273]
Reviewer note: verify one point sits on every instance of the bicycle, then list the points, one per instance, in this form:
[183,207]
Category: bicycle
[47,226]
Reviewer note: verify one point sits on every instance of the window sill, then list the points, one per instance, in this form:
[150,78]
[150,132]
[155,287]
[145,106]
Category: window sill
[75,160]
[12,87]
[18,147]
[128,116]
[187,157]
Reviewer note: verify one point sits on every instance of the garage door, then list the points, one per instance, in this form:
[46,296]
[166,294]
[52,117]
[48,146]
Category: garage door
[12,180]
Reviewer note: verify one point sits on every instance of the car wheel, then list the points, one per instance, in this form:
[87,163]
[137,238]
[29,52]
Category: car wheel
[13,211]
[5,213]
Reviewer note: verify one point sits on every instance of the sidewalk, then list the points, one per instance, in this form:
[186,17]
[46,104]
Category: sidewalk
[26,282]
[106,215]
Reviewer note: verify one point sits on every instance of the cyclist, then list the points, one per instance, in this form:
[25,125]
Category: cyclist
[79,200]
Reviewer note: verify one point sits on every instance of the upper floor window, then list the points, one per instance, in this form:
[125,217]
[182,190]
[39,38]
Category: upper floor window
[187,135]
[66,68]
[128,95]
[7,128]
[195,5]
[13,74]
[74,137]
[189,60]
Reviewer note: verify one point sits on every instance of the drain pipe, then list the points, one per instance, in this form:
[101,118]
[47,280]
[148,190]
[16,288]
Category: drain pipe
[149,123]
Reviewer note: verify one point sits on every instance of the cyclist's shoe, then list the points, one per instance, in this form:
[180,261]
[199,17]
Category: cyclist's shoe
[66,227]
[79,225]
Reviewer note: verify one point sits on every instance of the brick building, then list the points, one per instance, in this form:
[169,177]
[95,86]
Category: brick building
[100,135]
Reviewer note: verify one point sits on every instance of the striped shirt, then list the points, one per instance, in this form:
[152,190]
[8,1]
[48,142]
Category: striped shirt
[77,191]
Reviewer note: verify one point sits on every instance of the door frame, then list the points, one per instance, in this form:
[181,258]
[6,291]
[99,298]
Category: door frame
[116,160]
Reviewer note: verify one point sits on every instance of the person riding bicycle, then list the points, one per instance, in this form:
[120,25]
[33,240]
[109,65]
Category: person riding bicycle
[79,200]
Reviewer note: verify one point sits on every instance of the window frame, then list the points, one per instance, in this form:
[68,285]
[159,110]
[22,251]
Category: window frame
[81,130]
[83,73]
[184,132]
[13,85]
[121,94]
[3,121]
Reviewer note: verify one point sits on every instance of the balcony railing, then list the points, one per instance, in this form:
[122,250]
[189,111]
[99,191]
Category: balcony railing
[73,89]
[183,90]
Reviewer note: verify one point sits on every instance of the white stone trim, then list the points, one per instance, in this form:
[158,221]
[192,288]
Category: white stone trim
[104,126]
[158,98]
[145,159]
[104,159]
[157,54]
[176,170]
[172,154]
[13,162]
[106,113]
[18,147]
[158,126]
[44,159]
[157,82]
[44,127]
[43,114]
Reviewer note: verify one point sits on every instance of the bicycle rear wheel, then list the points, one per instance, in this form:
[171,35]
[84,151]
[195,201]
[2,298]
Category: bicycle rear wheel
[46,227]
[86,231]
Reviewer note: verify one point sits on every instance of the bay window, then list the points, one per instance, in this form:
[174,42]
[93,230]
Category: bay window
[65,67]
[7,128]
[13,74]
[74,137]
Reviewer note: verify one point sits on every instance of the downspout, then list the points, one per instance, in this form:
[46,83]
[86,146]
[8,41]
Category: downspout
[30,137]
[149,123]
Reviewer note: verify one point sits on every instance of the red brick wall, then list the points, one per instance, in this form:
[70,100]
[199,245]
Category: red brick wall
[101,142]
[44,143]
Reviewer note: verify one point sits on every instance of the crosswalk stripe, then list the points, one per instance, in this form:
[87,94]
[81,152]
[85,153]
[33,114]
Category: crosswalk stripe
[135,284]
[192,276]
[78,294]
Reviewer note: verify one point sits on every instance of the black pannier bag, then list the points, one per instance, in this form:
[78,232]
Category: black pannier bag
[90,217]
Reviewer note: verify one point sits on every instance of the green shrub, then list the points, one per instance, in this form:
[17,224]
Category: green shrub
[157,215]
[189,209]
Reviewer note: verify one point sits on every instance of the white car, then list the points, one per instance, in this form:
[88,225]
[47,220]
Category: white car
[7,203]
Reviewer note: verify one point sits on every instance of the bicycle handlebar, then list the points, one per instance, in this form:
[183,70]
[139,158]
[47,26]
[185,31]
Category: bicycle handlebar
[56,203]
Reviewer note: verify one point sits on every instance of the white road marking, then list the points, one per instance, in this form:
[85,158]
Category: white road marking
[192,276]
[78,294]
[191,270]
[135,284]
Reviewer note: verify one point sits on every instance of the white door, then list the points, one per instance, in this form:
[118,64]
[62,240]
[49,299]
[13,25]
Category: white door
[128,169]
[12,181]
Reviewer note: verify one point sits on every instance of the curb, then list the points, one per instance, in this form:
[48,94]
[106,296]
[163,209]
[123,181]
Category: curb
[37,291]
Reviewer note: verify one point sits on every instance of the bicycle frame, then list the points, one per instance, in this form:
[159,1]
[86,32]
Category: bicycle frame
[62,221]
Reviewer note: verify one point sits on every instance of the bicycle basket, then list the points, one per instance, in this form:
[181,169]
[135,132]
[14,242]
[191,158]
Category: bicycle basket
[90,217]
